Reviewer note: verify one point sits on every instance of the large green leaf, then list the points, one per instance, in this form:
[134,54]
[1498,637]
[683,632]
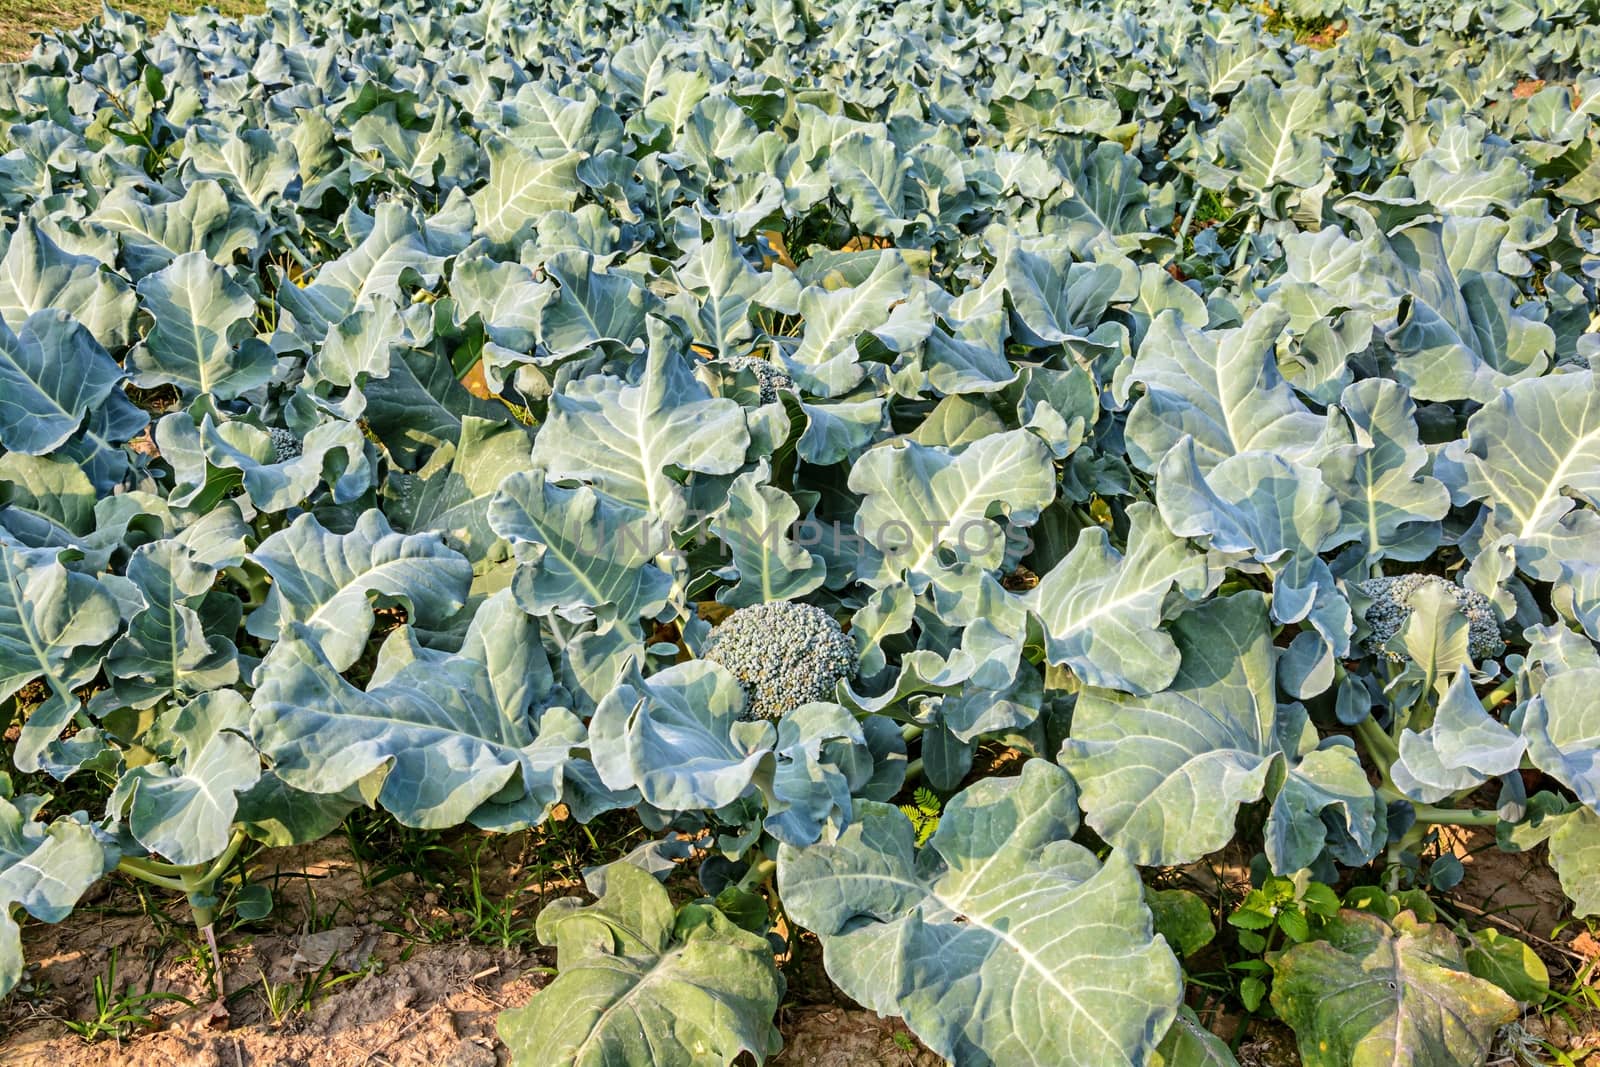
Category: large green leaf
[440,154]
[918,500]
[523,185]
[1462,748]
[755,525]
[167,649]
[325,582]
[1463,176]
[1533,454]
[436,739]
[594,308]
[52,374]
[1271,136]
[1163,776]
[1386,502]
[1562,727]
[1461,334]
[1102,610]
[580,555]
[1283,516]
[1220,387]
[250,162]
[203,340]
[722,288]
[54,624]
[1056,300]
[393,251]
[826,361]
[153,233]
[43,869]
[184,809]
[49,501]
[1002,942]
[870,176]
[679,739]
[450,495]
[639,984]
[1371,993]
[551,124]
[622,437]
[1574,851]
[36,274]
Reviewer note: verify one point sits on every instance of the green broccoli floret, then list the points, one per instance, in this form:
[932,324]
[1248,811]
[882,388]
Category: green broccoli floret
[784,654]
[1391,605]
[769,376]
[284,443]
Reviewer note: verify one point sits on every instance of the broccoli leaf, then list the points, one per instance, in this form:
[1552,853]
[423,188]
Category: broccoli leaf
[1372,992]
[640,984]
[1002,940]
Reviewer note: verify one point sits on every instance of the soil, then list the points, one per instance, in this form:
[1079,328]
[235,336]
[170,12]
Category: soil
[1518,889]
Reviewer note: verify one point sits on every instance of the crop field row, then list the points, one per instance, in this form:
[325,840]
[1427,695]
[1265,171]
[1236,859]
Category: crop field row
[1065,533]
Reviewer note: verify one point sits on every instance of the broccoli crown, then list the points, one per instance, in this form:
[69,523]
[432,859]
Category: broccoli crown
[284,443]
[784,654]
[769,376]
[1391,605]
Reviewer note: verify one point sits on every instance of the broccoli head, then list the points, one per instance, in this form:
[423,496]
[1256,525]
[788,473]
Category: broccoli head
[769,376]
[784,654]
[1391,605]
[284,443]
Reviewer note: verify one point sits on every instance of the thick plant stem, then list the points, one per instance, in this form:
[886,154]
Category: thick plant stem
[206,878]
[1408,841]
[1188,218]
[1379,745]
[1427,813]
[1499,693]
[1433,815]
[193,881]
[197,879]
[760,873]
[145,872]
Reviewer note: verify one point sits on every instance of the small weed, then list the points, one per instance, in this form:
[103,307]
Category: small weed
[495,921]
[116,1015]
[279,998]
[923,813]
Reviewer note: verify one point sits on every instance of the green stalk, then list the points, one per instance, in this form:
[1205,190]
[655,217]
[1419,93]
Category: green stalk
[204,880]
[194,880]
[760,873]
[1505,689]
[135,868]
[913,771]
[1419,716]
[1433,815]
[1409,840]
[298,256]
[1188,217]
[1456,816]
[1379,745]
